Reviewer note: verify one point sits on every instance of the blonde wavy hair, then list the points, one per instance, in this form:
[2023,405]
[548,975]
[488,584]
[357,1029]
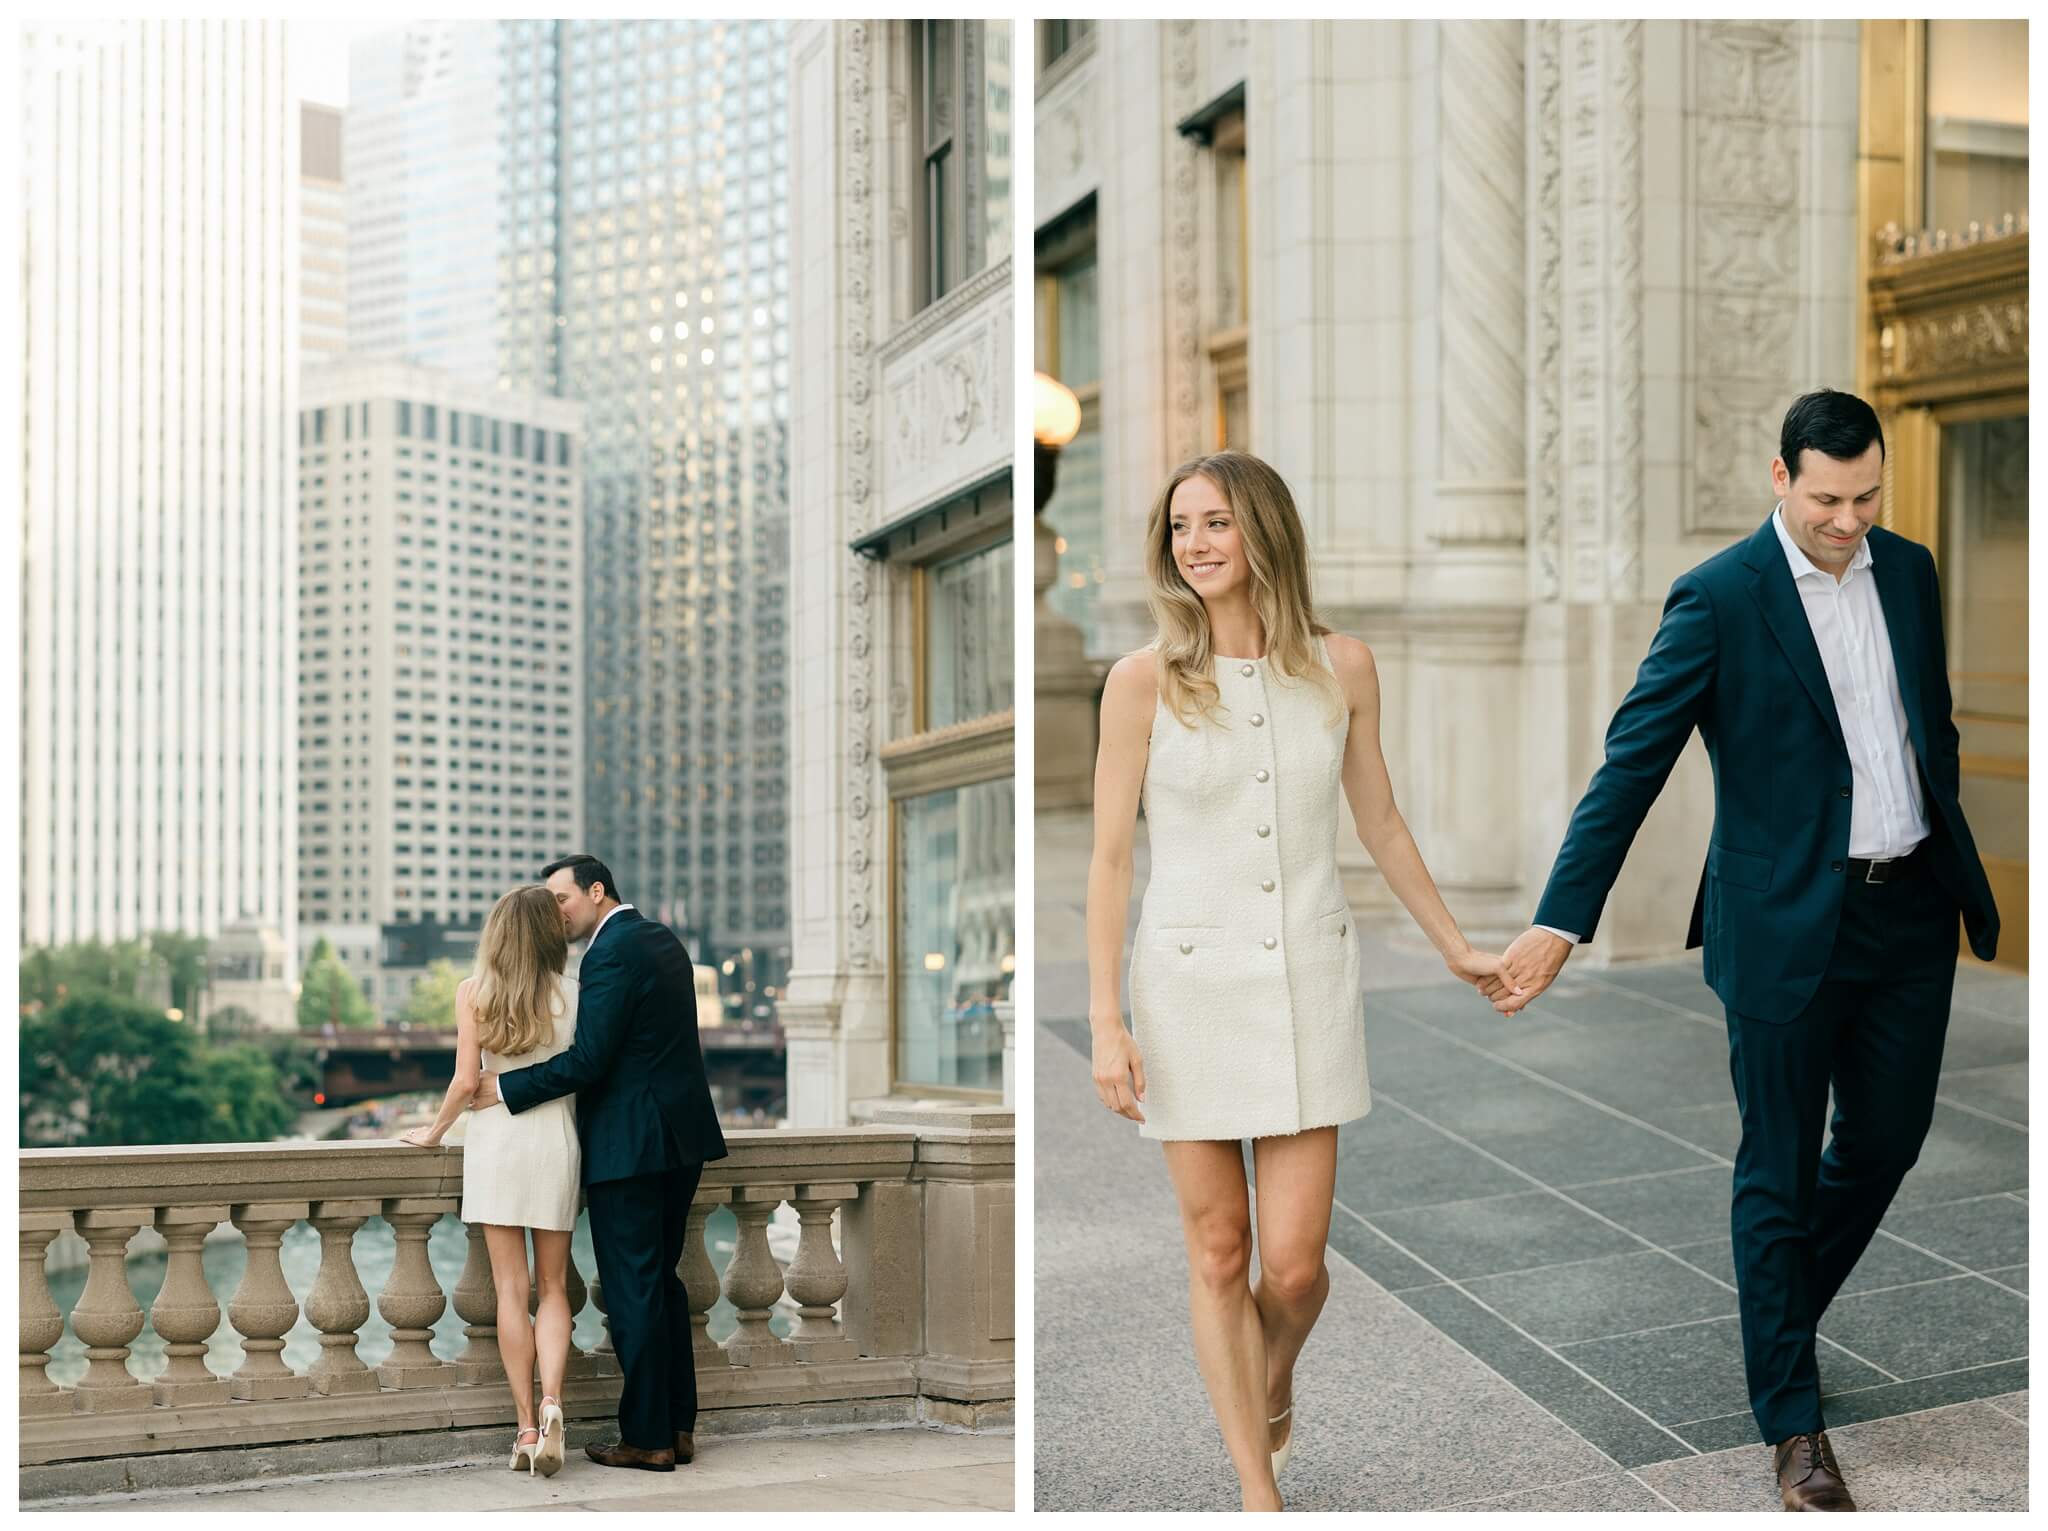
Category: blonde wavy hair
[519,962]
[1276,549]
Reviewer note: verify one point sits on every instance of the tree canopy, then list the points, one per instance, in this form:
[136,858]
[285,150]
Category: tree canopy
[329,994]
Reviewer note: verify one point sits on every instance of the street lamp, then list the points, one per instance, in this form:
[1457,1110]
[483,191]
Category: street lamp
[1055,421]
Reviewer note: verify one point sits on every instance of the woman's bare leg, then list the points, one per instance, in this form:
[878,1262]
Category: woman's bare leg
[1230,1346]
[1297,1182]
[507,1248]
[552,1319]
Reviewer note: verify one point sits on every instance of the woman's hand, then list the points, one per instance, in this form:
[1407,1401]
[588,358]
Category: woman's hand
[421,1137]
[1477,968]
[1119,1071]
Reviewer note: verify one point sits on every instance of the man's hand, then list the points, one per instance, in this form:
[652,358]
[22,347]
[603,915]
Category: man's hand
[1527,969]
[486,1091]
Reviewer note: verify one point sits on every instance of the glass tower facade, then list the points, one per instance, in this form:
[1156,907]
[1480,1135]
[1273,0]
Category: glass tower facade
[643,271]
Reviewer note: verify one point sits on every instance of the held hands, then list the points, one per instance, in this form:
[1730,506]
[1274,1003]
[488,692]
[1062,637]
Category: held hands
[1119,1071]
[486,1092]
[1527,968]
[1482,970]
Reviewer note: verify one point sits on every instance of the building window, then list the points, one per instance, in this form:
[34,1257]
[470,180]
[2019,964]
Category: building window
[954,891]
[935,58]
[1058,38]
[405,417]
[968,647]
[1230,317]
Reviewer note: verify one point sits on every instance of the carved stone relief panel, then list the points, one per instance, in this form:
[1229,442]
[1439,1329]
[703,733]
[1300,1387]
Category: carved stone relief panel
[946,387]
[1546,312]
[1750,141]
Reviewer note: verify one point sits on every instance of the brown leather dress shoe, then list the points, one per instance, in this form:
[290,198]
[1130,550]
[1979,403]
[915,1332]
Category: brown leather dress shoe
[1809,1478]
[686,1446]
[619,1454]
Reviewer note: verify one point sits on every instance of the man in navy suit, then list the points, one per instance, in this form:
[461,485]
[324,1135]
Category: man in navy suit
[647,1125]
[1810,657]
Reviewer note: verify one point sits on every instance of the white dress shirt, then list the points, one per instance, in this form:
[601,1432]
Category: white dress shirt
[1888,815]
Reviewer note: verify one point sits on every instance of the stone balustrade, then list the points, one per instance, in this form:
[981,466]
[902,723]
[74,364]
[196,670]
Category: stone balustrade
[907,1316]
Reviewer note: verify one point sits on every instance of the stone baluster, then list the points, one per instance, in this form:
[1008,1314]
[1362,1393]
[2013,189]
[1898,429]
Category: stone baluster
[42,1324]
[753,1281]
[476,1304]
[700,1277]
[186,1312]
[107,1316]
[338,1306]
[412,1299]
[263,1309]
[600,1360]
[817,1279]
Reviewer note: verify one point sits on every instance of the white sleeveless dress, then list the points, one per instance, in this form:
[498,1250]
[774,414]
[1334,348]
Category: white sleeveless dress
[1244,966]
[526,1171]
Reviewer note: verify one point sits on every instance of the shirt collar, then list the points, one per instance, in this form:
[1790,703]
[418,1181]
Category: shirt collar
[1796,557]
[604,922]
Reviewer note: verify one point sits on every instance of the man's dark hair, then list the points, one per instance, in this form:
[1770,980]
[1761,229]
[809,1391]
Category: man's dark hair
[586,870]
[1833,423]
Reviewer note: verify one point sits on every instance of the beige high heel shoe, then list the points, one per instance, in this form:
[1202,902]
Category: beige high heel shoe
[521,1449]
[1287,1446]
[549,1457]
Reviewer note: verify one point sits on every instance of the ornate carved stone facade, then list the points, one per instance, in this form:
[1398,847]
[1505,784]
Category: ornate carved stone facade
[894,408]
[1527,301]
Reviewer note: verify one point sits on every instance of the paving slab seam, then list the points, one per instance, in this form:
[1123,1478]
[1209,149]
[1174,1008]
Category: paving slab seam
[1533,1488]
[1871,1387]
[1993,1403]
[1563,1089]
[1955,1265]
[1551,1351]
[1636,1473]
[1599,980]
[1989,1116]
[1590,1212]
[1683,1169]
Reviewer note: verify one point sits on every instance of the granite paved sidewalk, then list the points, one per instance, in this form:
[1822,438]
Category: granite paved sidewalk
[897,1469]
[1532,1298]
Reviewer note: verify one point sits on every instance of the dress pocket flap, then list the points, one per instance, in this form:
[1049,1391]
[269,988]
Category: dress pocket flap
[1336,923]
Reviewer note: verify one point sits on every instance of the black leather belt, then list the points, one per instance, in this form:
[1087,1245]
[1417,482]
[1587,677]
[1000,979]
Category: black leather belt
[1889,870]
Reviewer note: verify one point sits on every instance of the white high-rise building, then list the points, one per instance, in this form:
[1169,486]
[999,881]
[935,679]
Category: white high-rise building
[421,141]
[441,692]
[160,194]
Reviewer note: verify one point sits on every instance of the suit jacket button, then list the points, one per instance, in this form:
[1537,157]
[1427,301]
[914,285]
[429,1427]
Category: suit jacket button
[1845,792]
[1835,867]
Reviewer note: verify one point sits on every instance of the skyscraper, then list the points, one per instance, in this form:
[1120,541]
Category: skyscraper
[440,713]
[422,144]
[323,237]
[643,272]
[159,600]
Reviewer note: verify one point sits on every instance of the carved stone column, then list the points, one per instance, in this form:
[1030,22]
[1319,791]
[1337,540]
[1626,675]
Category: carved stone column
[753,1282]
[186,1313]
[700,1278]
[816,1278]
[42,1324]
[108,1317]
[263,1309]
[412,1300]
[1481,386]
[476,1303]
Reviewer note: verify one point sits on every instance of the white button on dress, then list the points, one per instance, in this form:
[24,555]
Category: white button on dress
[1247,1032]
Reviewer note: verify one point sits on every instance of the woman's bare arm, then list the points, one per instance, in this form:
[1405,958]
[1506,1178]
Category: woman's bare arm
[1381,829]
[468,1069]
[1129,699]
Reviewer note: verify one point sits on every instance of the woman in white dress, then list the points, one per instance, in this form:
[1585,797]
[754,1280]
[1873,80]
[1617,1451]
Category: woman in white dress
[520,1173]
[1237,728]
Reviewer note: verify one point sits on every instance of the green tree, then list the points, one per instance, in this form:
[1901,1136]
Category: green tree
[245,1101]
[51,975]
[229,1024]
[102,1071]
[432,1001]
[328,994]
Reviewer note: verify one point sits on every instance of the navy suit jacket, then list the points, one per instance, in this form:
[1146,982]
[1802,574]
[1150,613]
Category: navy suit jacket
[1735,657]
[636,1067]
